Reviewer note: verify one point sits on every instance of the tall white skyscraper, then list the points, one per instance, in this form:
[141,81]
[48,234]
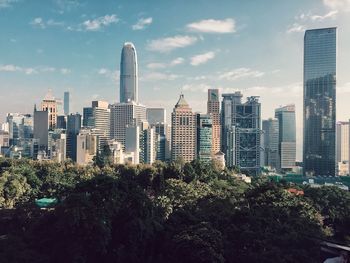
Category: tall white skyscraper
[128,74]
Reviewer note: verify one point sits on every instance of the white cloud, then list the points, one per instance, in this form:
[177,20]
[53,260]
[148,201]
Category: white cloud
[41,23]
[196,87]
[30,70]
[97,23]
[6,3]
[154,76]
[202,58]
[170,43]
[340,5]
[296,28]
[142,23]
[65,71]
[213,26]
[177,61]
[38,22]
[241,73]
[331,14]
[113,75]
[156,65]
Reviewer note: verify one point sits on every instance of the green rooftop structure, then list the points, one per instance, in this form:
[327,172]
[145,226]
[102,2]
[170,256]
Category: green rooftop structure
[46,202]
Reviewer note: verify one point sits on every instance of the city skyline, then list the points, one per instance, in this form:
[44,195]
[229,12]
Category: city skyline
[188,54]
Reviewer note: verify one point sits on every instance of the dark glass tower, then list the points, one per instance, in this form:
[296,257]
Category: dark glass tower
[128,74]
[319,101]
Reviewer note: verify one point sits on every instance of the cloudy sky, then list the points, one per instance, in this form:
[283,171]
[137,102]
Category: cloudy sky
[254,46]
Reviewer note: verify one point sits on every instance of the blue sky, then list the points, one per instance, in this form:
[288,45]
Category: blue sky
[183,46]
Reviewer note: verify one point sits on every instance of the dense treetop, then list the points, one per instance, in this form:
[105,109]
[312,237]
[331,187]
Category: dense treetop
[161,213]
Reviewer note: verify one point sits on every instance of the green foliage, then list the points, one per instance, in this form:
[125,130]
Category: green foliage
[177,212]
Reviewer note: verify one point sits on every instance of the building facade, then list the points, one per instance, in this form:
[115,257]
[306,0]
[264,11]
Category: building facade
[287,136]
[156,115]
[50,104]
[123,115]
[183,132]
[73,128]
[271,141]
[128,74]
[319,101]
[204,137]
[213,108]
[241,132]
[66,102]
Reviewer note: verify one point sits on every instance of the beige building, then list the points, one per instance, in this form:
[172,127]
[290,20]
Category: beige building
[183,131]
[49,104]
[213,108]
[86,146]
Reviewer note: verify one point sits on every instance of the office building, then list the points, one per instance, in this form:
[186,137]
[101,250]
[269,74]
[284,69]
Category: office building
[20,128]
[204,137]
[50,104]
[156,115]
[271,141]
[41,129]
[149,145]
[128,74]
[66,102]
[183,132]
[100,122]
[87,117]
[132,142]
[241,132]
[164,135]
[319,101]
[213,108]
[123,115]
[287,136]
[61,122]
[57,145]
[73,128]
[342,147]
[4,139]
[86,147]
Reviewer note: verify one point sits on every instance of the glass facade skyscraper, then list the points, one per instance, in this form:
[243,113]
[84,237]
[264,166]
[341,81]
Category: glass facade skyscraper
[319,101]
[128,74]
[204,137]
[287,136]
[271,135]
[66,103]
[241,132]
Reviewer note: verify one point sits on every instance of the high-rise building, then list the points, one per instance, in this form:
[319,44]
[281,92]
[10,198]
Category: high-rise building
[86,147]
[123,115]
[319,101]
[149,145]
[271,140]
[183,132]
[66,101]
[20,128]
[342,147]
[100,122]
[61,122]
[57,145]
[73,128]
[87,117]
[156,115]
[163,148]
[287,136]
[132,142]
[128,74]
[213,108]
[241,132]
[41,129]
[204,137]
[49,104]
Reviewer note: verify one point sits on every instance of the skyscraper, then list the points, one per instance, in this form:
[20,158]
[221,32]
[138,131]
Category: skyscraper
[49,104]
[41,129]
[183,132]
[319,101]
[123,115]
[241,132]
[204,137]
[73,128]
[66,103]
[100,122]
[342,147]
[156,115]
[213,108]
[128,74]
[287,136]
[271,135]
